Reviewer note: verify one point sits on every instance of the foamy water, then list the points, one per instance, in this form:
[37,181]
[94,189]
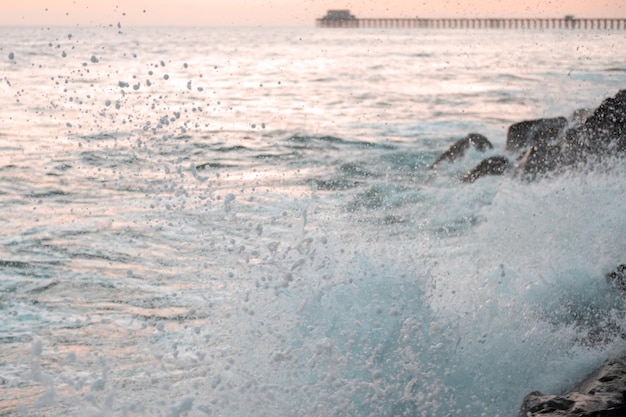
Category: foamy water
[243,222]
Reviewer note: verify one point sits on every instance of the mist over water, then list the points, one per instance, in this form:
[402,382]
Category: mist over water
[243,222]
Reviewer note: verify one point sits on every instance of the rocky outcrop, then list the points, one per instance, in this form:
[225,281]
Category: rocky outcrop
[554,145]
[602,134]
[528,133]
[538,140]
[496,165]
[539,159]
[601,394]
[458,149]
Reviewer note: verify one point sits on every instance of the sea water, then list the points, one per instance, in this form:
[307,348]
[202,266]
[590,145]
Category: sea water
[243,222]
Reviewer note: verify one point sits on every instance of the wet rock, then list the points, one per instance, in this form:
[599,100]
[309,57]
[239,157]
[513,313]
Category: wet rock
[523,135]
[551,145]
[539,159]
[601,394]
[458,149]
[495,165]
[602,134]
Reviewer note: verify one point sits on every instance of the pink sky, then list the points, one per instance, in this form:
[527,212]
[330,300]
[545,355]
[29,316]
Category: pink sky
[282,12]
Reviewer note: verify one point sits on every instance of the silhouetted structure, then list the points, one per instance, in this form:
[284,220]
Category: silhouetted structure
[345,19]
[338,18]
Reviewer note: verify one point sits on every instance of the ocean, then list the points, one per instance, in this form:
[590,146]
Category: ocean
[244,222]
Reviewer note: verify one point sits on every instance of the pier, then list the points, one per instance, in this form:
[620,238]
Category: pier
[344,19]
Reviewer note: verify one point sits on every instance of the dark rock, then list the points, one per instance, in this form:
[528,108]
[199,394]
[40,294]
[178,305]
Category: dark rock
[459,148]
[601,394]
[551,145]
[602,134]
[523,135]
[496,165]
[540,159]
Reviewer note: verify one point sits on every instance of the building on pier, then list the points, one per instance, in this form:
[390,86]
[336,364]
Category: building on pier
[338,18]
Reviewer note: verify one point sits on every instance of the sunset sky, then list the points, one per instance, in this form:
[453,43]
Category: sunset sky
[281,12]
